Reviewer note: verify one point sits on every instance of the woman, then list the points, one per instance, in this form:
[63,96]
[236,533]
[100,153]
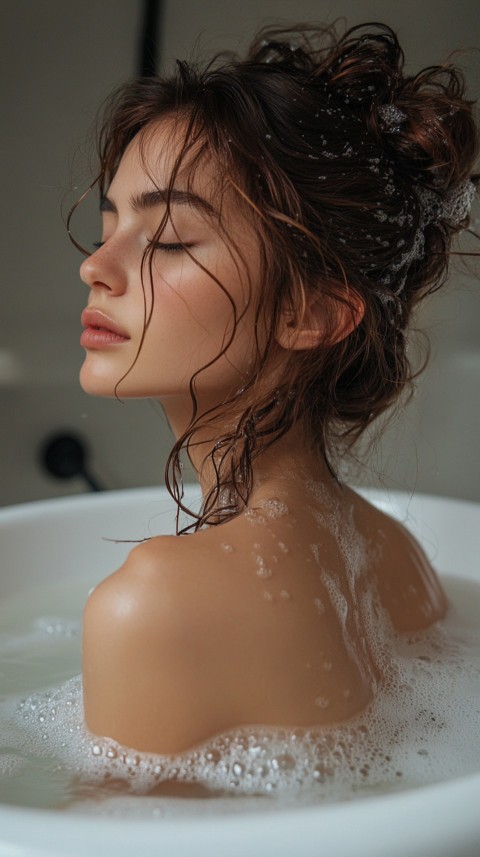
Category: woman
[269,225]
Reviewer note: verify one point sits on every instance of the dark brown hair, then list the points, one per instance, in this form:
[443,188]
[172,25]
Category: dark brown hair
[298,130]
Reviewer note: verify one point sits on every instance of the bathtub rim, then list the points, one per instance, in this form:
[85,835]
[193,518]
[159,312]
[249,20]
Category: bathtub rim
[331,826]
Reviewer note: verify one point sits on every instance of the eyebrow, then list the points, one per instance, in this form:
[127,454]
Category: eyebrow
[154,198]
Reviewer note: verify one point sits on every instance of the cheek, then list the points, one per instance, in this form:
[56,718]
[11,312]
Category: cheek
[192,323]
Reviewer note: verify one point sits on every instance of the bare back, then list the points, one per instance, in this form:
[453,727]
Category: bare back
[276,617]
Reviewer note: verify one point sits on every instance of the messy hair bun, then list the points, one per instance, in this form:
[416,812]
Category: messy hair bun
[422,126]
[358,177]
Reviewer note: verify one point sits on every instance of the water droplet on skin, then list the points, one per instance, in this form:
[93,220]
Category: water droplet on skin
[322,702]
[96,750]
[254,517]
[319,605]
[262,569]
[274,508]
[283,547]
[285,594]
[226,548]
[267,595]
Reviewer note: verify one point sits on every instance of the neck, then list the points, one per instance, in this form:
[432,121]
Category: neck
[290,460]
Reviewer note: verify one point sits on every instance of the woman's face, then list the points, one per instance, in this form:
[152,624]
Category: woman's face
[192,318]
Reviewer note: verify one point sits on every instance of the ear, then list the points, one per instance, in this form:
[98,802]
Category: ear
[309,329]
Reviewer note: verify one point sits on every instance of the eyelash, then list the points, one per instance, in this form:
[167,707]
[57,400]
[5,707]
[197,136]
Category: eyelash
[168,247]
[157,245]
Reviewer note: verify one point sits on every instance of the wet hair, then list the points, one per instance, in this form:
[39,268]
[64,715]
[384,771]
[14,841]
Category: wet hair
[333,150]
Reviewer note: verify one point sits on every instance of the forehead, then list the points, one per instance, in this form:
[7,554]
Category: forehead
[160,157]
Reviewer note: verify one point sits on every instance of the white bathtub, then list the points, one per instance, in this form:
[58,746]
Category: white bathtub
[63,539]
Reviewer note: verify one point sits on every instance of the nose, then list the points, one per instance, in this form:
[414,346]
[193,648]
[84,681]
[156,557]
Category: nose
[104,270]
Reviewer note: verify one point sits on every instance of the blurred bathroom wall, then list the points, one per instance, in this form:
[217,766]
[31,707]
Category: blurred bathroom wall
[59,59]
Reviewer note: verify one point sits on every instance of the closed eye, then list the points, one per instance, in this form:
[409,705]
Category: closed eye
[169,247]
[166,247]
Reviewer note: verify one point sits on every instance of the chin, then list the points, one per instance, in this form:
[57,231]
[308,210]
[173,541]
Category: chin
[104,386]
[96,385]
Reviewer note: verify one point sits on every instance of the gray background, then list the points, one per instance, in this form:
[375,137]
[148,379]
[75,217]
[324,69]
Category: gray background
[59,59]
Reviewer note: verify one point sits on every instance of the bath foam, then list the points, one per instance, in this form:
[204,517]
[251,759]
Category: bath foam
[364,624]
[423,727]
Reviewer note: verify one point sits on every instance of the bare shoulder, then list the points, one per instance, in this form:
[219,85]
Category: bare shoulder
[408,584]
[156,574]
[147,666]
[137,595]
[181,643]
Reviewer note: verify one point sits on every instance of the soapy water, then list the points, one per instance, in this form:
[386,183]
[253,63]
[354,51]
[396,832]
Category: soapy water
[423,727]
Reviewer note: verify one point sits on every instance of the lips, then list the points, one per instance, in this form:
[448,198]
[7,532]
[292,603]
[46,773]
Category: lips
[101,332]
[96,320]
